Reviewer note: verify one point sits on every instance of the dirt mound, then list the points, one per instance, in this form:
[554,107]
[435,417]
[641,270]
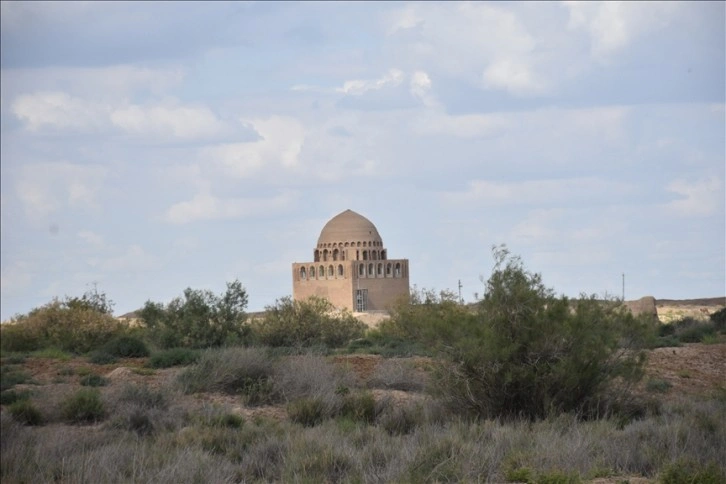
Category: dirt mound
[694,369]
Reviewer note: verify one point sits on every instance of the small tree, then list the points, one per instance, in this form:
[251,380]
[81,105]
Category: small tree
[526,352]
[76,324]
[199,319]
[313,321]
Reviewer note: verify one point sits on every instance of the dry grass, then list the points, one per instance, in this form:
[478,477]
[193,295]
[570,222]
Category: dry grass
[155,432]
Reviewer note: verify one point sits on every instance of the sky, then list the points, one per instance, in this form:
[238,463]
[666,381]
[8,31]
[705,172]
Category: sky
[150,147]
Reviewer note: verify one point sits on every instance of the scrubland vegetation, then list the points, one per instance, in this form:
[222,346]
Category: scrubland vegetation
[525,387]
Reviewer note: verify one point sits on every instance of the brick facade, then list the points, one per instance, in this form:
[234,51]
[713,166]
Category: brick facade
[351,267]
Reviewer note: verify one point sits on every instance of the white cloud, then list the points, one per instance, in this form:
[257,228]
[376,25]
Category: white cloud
[613,25]
[280,143]
[512,75]
[465,126]
[44,188]
[394,77]
[483,43]
[205,206]
[571,191]
[59,110]
[698,198]
[133,259]
[90,237]
[420,87]
[96,83]
[184,122]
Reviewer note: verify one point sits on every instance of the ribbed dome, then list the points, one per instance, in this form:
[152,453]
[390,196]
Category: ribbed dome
[349,226]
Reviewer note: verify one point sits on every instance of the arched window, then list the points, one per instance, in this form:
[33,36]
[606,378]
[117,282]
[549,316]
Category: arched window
[312,272]
[302,273]
[342,255]
[380,269]
[398,269]
[317,255]
[330,271]
[364,244]
[346,244]
[365,255]
[325,255]
[357,255]
[388,269]
[374,254]
[358,244]
[361,269]
[335,254]
[383,254]
[370,270]
[321,272]
[340,270]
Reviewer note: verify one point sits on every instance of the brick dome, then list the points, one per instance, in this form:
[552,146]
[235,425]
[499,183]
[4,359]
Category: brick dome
[351,227]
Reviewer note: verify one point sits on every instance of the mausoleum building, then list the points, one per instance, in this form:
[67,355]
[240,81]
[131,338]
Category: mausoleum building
[351,267]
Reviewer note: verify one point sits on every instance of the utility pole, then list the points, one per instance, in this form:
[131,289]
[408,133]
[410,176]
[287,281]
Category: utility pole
[461,301]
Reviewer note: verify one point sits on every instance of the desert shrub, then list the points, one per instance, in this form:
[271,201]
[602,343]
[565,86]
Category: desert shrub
[306,323]
[126,347]
[307,411]
[11,376]
[658,385]
[401,419]
[143,396]
[670,341]
[13,358]
[94,381]
[230,420]
[690,472]
[52,353]
[719,319]
[313,377]
[101,357]
[173,357]
[359,407]
[690,330]
[236,371]
[25,412]
[382,341]
[519,474]
[8,397]
[526,352]
[199,319]
[397,374]
[84,406]
[76,325]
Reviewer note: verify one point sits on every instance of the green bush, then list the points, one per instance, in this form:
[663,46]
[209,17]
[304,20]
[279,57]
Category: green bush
[719,319]
[524,351]
[84,406]
[11,376]
[25,412]
[100,357]
[126,347]
[75,325]
[8,397]
[658,385]
[144,397]
[359,407]
[690,472]
[94,381]
[311,322]
[236,371]
[199,319]
[173,357]
[307,411]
